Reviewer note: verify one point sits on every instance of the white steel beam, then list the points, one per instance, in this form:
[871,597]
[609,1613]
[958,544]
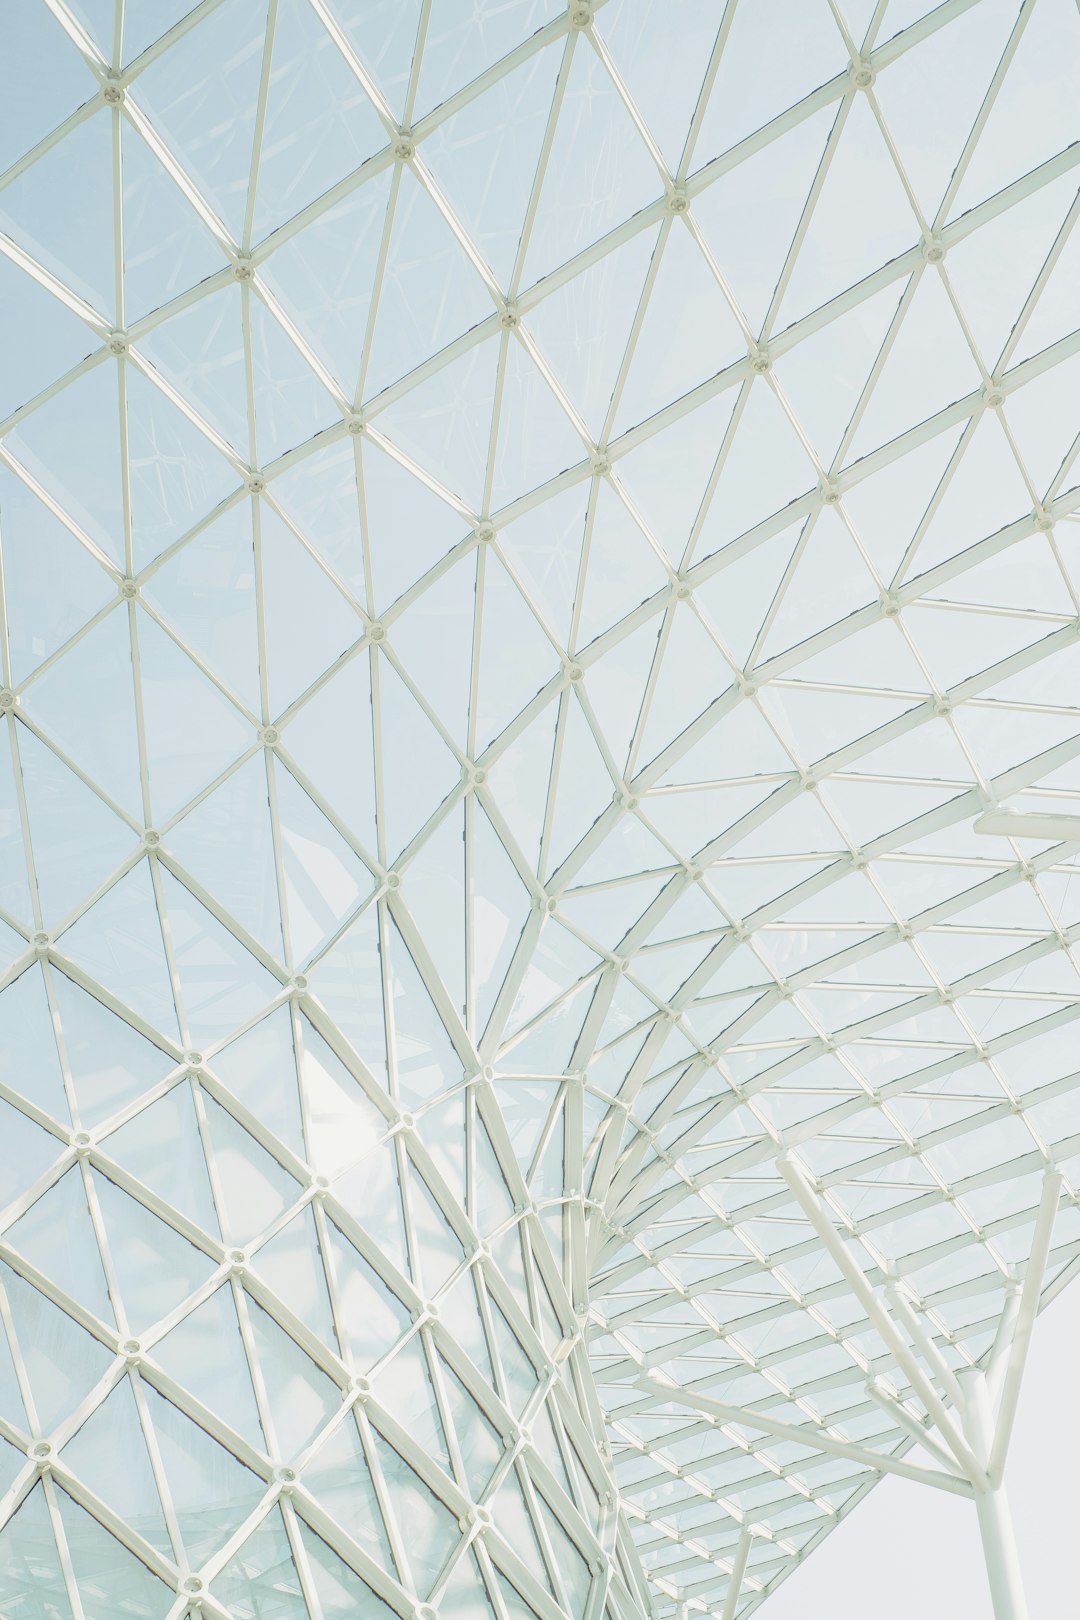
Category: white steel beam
[811,1437]
[879,1316]
[1030,1297]
[738,1572]
[1028,824]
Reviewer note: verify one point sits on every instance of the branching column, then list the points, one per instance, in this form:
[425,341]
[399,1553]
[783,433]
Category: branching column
[972,1411]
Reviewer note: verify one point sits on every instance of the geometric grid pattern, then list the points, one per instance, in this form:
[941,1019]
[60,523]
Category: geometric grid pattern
[529,538]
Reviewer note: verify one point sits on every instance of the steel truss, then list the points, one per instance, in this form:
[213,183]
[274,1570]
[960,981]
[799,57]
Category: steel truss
[539,795]
[972,1456]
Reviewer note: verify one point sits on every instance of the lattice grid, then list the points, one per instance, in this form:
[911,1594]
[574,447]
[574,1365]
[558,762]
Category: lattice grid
[539,556]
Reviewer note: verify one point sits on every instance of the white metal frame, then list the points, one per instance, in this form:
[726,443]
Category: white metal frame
[661,1122]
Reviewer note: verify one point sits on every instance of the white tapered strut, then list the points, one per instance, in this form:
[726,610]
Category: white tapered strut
[992,1507]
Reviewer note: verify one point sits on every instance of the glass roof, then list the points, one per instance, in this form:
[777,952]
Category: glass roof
[540,646]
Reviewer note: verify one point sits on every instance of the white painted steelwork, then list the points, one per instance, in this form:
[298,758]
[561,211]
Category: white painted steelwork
[539,636]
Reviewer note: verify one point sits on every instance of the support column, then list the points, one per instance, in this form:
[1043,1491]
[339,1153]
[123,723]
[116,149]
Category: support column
[992,1506]
[738,1571]
[979,1450]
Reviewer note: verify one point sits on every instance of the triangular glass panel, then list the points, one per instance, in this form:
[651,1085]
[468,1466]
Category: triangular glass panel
[262,1573]
[31,1574]
[108,1453]
[428,1528]
[163,1148]
[370,1315]
[318,123]
[57,1236]
[211,1491]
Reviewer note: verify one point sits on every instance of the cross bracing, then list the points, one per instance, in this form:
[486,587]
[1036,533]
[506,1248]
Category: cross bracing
[539,622]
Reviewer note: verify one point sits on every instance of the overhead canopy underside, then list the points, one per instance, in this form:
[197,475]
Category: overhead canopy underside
[540,564]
